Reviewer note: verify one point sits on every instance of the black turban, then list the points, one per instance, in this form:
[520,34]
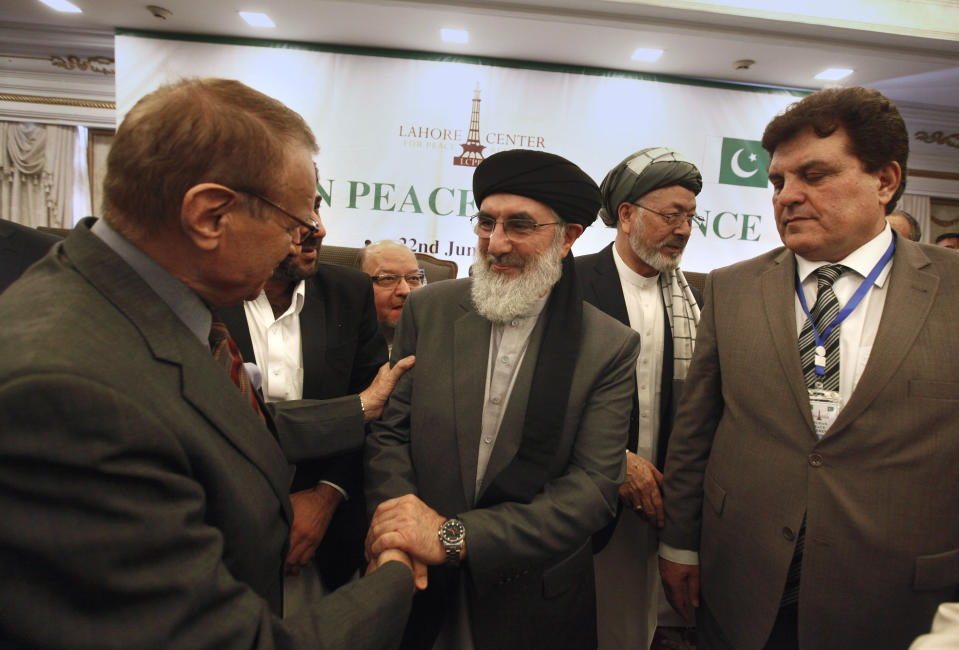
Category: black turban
[544,177]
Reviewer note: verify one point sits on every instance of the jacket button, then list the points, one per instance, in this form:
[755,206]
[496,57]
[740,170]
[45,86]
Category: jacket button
[788,534]
[815,460]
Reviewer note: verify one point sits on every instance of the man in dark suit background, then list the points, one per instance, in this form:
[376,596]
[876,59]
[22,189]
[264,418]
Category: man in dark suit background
[812,468]
[650,198]
[144,489]
[313,333]
[20,246]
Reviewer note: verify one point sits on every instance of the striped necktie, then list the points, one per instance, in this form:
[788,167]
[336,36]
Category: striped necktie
[227,355]
[823,313]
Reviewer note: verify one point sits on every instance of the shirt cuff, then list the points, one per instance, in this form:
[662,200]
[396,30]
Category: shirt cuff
[346,497]
[678,555]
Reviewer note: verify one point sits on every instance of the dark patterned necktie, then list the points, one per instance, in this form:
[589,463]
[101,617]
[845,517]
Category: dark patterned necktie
[227,355]
[823,313]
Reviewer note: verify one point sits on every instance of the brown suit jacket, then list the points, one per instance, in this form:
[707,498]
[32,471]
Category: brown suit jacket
[879,491]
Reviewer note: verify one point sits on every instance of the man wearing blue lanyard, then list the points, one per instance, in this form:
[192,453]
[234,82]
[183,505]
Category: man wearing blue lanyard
[811,478]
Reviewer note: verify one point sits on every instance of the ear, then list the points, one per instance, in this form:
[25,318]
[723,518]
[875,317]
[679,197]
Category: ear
[889,176]
[206,212]
[571,233]
[625,213]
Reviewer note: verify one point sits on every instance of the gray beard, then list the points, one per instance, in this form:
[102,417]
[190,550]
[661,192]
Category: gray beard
[499,298]
[650,254]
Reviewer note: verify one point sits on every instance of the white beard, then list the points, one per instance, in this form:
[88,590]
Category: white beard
[500,298]
[651,254]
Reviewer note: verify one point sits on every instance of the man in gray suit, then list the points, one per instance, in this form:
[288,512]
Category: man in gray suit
[501,453]
[144,488]
[810,480]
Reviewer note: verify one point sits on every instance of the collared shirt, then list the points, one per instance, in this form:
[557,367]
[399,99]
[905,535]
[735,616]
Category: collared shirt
[858,331]
[182,300]
[277,345]
[856,334]
[644,306]
[278,349]
[507,348]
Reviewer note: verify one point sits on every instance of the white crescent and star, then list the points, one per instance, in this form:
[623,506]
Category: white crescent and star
[739,171]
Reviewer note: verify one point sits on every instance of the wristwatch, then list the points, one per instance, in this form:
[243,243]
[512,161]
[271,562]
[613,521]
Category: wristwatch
[452,535]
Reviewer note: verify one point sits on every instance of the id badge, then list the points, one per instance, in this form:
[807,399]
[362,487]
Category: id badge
[825,406]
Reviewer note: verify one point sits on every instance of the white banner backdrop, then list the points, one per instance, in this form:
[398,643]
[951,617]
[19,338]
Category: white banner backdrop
[390,128]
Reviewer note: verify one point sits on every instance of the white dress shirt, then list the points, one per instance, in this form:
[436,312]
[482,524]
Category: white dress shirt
[277,345]
[644,306]
[858,331]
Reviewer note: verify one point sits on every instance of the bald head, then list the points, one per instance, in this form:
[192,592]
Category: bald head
[393,268]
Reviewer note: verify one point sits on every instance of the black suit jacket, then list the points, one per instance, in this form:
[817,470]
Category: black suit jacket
[342,351]
[601,287]
[144,504]
[20,246]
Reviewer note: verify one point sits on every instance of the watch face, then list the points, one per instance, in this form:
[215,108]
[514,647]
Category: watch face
[453,531]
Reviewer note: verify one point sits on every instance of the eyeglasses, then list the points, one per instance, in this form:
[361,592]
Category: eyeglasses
[673,217]
[390,280]
[312,225]
[514,229]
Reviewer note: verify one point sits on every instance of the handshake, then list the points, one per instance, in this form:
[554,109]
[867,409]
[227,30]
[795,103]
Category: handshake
[406,530]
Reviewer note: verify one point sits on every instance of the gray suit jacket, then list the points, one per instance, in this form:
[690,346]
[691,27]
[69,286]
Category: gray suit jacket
[145,505]
[879,491]
[529,566]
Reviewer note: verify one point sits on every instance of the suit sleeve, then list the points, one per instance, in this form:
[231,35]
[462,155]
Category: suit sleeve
[388,467]
[360,349]
[573,505]
[311,429]
[692,437]
[105,538]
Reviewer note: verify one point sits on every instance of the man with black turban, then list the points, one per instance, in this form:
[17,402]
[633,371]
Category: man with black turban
[500,455]
[650,198]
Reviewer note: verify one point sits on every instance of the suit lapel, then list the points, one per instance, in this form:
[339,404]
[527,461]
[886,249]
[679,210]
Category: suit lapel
[909,298]
[511,428]
[778,293]
[234,317]
[606,289]
[470,358]
[203,383]
[315,340]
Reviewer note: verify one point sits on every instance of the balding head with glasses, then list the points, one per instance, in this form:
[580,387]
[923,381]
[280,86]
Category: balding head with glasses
[395,273]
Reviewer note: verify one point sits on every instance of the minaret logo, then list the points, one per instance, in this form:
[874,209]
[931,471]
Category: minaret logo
[472,154]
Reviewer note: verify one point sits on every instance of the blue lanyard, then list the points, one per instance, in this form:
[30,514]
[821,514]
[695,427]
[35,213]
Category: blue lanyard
[850,306]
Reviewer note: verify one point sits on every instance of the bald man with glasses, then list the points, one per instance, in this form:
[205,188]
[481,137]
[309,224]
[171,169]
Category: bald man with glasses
[395,273]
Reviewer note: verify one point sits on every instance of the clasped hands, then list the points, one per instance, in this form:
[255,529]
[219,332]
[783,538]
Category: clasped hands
[640,492]
[406,529]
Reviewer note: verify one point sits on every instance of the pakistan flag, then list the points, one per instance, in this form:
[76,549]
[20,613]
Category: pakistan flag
[744,162]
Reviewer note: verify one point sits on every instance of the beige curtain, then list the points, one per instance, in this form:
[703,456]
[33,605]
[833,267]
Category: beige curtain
[920,207]
[36,173]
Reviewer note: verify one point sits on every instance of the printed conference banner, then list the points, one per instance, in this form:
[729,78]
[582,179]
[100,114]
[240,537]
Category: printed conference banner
[400,134]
